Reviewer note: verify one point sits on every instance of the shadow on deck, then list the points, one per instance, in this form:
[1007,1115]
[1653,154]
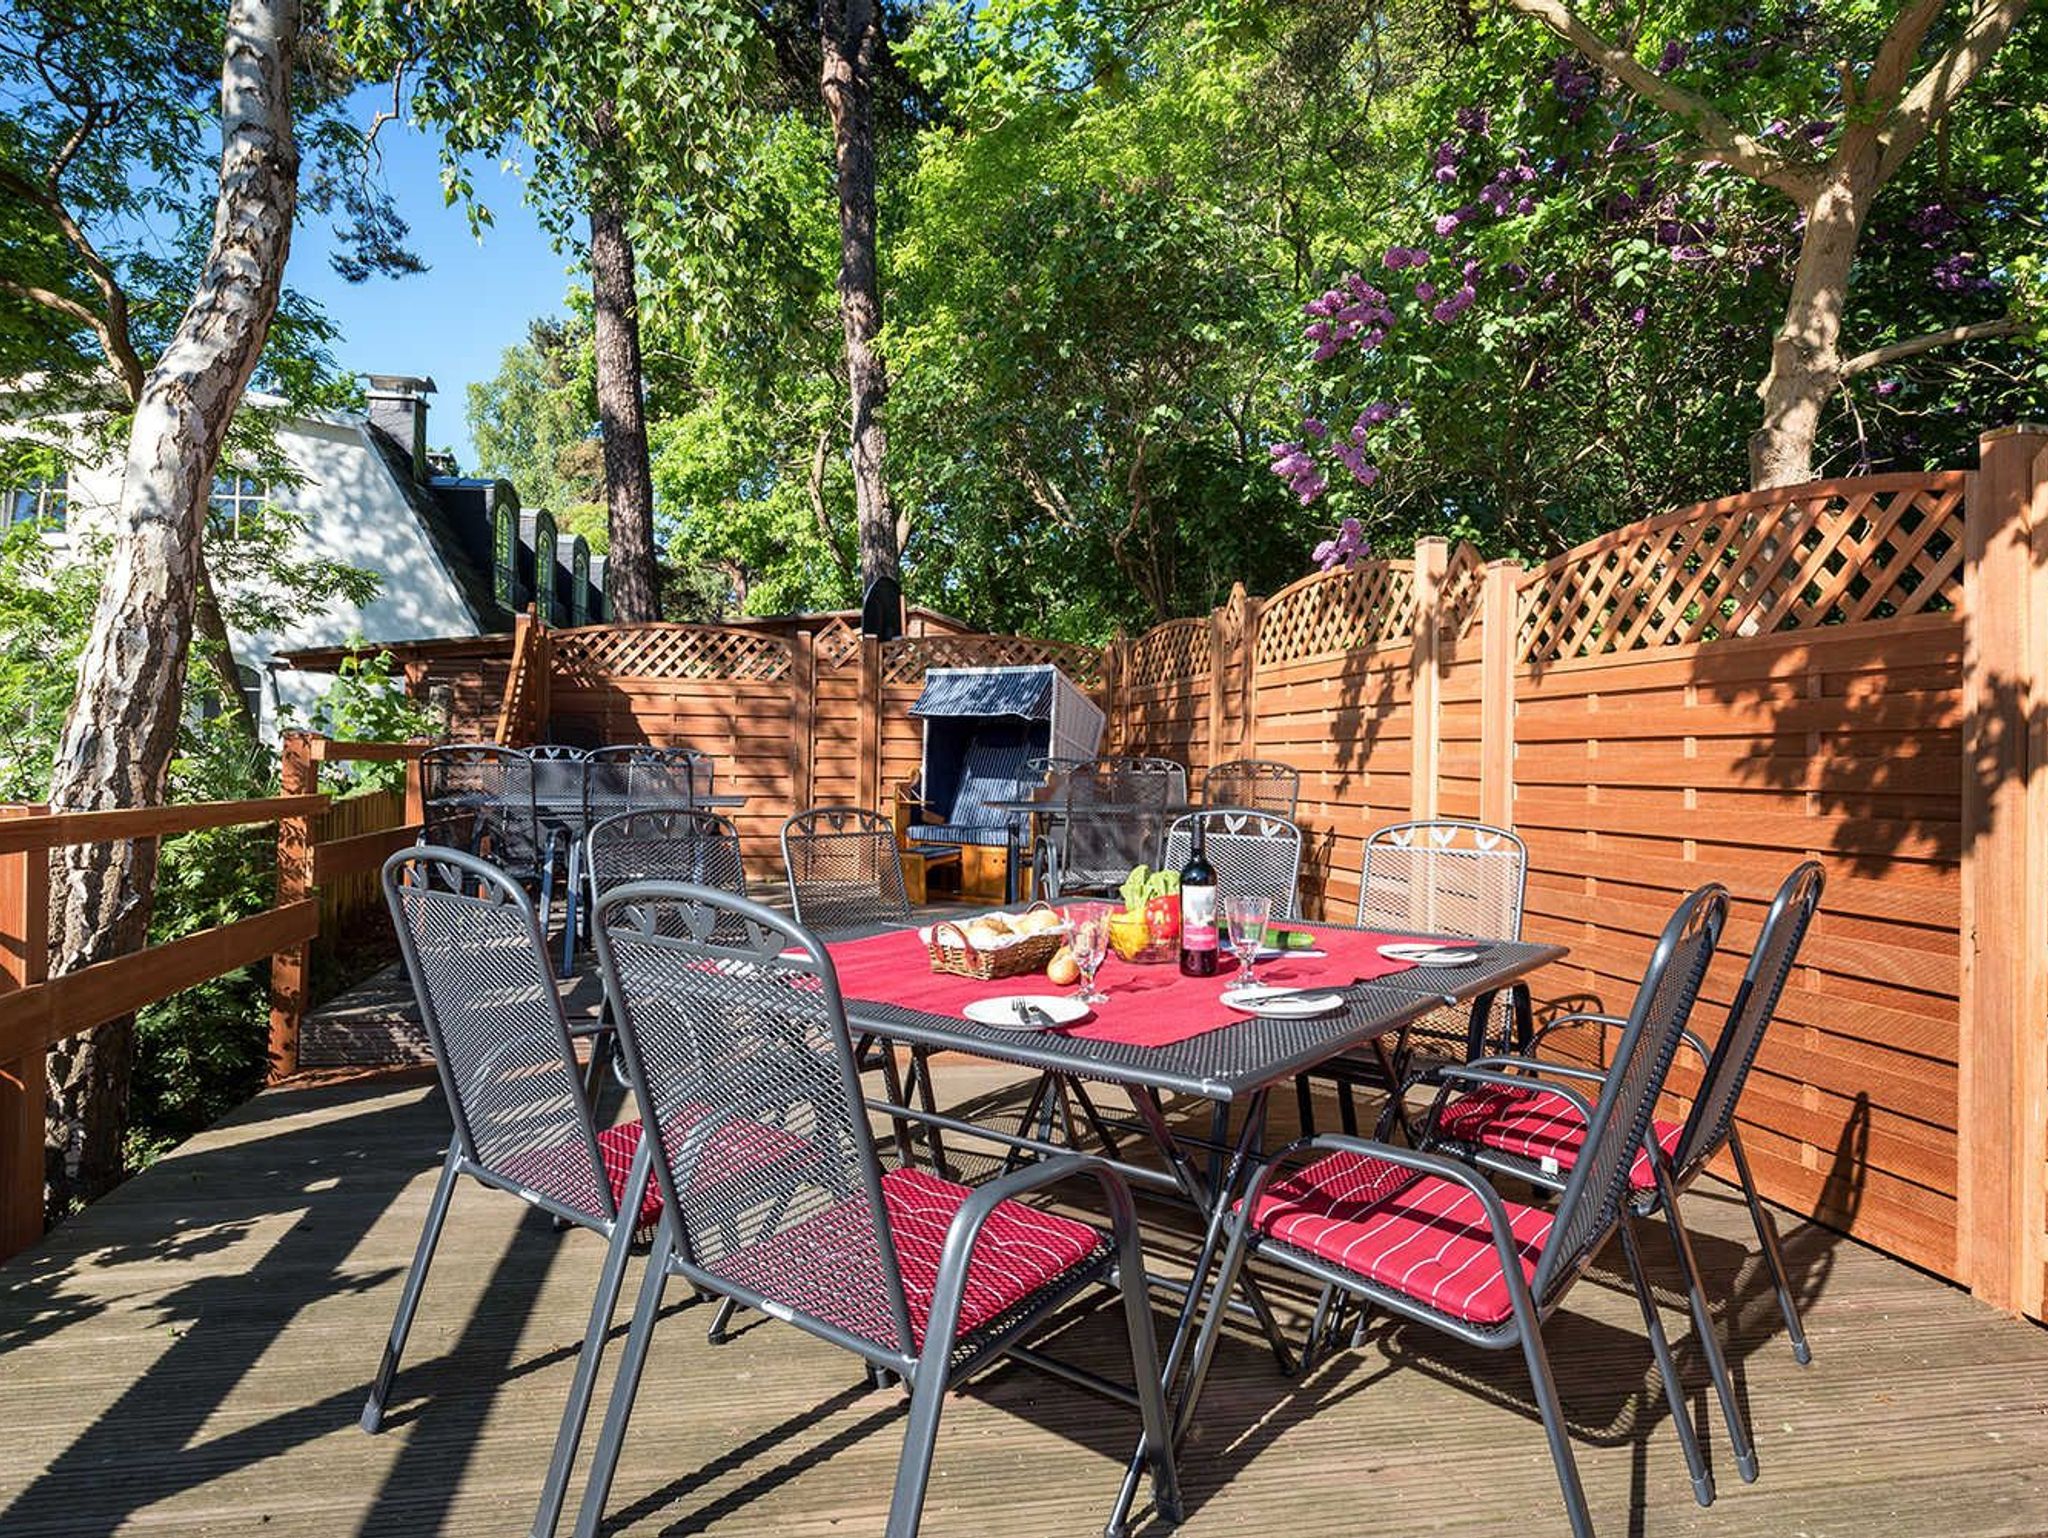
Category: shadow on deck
[189,1357]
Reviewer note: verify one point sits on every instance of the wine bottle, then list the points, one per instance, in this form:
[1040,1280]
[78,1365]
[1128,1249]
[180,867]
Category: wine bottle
[1198,937]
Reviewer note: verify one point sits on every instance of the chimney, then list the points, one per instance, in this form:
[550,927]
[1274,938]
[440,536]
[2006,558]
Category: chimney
[398,404]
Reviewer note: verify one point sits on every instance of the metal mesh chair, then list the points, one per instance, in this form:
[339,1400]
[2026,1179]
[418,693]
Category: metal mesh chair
[844,869]
[1260,783]
[478,798]
[1110,816]
[696,846]
[719,999]
[1254,854]
[1425,1238]
[1532,1133]
[474,950]
[1434,877]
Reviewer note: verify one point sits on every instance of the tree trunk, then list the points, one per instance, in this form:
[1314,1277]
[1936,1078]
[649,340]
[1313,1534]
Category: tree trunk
[1806,355]
[117,744]
[851,34]
[632,577]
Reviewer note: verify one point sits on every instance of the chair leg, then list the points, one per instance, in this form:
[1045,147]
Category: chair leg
[1703,1325]
[920,1437]
[1305,1102]
[1347,1108]
[604,1462]
[1774,1258]
[1553,1430]
[727,1307]
[1660,1348]
[1152,1406]
[409,1298]
[570,907]
[577,1411]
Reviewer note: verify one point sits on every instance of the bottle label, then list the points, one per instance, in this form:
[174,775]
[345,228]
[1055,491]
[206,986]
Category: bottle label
[1198,918]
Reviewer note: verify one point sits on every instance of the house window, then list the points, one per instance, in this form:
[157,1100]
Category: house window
[39,498]
[505,558]
[545,580]
[236,498]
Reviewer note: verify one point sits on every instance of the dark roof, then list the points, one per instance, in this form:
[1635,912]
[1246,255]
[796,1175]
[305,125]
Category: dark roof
[1025,691]
[444,531]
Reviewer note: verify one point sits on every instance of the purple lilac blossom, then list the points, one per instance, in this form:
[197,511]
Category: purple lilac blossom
[1673,57]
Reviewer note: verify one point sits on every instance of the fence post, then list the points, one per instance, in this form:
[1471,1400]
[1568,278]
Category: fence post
[2001,1063]
[1425,679]
[803,715]
[1248,676]
[868,722]
[1499,635]
[1115,729]
[1222,626]
[298,775]
[24,962]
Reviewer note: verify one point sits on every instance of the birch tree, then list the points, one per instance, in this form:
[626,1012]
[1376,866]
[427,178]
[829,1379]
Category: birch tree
[117,743]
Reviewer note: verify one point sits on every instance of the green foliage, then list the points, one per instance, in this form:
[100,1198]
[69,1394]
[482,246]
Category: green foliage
[534,421]
[367,702]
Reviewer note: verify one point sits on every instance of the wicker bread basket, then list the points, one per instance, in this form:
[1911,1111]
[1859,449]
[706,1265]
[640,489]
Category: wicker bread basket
[953,952]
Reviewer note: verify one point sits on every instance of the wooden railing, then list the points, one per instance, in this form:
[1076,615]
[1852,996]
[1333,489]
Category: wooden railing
[37,1010]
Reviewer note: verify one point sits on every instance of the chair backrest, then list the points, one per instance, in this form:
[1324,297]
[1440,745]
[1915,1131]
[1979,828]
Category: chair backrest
[545,752]
[1261,783]
[1594,1197]
[1444,877]
[734,1038]
[487,998]
[479,797]
[1756,1001]
[844,868]
[1254,854]
[696,846]
[636,776]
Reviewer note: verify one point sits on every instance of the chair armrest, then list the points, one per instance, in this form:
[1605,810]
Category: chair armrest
[1698,1046]
[1536,1068]
[1471,1074]
[965,1232]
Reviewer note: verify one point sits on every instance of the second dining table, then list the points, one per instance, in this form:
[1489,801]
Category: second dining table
[1160,1034]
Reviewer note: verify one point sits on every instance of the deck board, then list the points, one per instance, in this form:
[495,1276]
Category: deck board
[188,1357]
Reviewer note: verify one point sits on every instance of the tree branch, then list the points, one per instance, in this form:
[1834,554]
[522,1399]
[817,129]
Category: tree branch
[1934,93]
[112,326]
[1912,347]
[1746,153]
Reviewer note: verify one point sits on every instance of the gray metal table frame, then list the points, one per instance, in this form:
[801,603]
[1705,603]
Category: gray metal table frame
[1237,1064]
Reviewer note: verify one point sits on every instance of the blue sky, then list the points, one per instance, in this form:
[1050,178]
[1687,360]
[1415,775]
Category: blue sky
[454,320]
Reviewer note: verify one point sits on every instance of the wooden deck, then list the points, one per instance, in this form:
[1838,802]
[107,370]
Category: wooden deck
[189,1358]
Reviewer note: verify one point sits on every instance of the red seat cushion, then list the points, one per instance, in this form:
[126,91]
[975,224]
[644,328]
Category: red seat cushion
[1540,1125]
[1420,1235]
[562,1170]
[826,1265]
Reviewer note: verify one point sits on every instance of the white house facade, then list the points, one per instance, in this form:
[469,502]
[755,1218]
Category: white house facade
[454,555]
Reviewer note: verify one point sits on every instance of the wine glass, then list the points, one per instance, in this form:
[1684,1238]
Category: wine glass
[1246,917]
[1088,939]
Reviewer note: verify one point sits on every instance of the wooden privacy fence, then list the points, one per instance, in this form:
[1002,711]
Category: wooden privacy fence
[1851,670]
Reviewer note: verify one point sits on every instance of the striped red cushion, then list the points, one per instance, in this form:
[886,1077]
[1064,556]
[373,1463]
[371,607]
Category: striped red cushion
[1421,1235]
[828,1264]
[1540,1125]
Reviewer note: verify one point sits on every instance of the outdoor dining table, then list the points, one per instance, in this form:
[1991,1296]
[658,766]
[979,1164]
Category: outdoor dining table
[1159,1034]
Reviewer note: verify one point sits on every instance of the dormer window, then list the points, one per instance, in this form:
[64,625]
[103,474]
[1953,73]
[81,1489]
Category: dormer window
[544,584]
[505,558]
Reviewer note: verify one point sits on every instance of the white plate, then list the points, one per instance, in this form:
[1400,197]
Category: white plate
[1002,1012]
[1285,1004]
[1429,955]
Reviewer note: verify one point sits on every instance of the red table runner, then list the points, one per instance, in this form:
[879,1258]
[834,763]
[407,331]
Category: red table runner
[1149,1006]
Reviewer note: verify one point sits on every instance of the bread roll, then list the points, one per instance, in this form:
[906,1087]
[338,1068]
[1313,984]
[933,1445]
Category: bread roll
[983,935]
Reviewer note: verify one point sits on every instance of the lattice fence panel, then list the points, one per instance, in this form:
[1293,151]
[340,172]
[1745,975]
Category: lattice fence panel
[1178,649]
[909,659]
[837,645]
[1833,553]
[1464,581]
[1369,606]
[597,654]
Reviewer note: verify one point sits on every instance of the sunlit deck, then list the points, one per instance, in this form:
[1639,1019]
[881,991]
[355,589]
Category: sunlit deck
[189,1357]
